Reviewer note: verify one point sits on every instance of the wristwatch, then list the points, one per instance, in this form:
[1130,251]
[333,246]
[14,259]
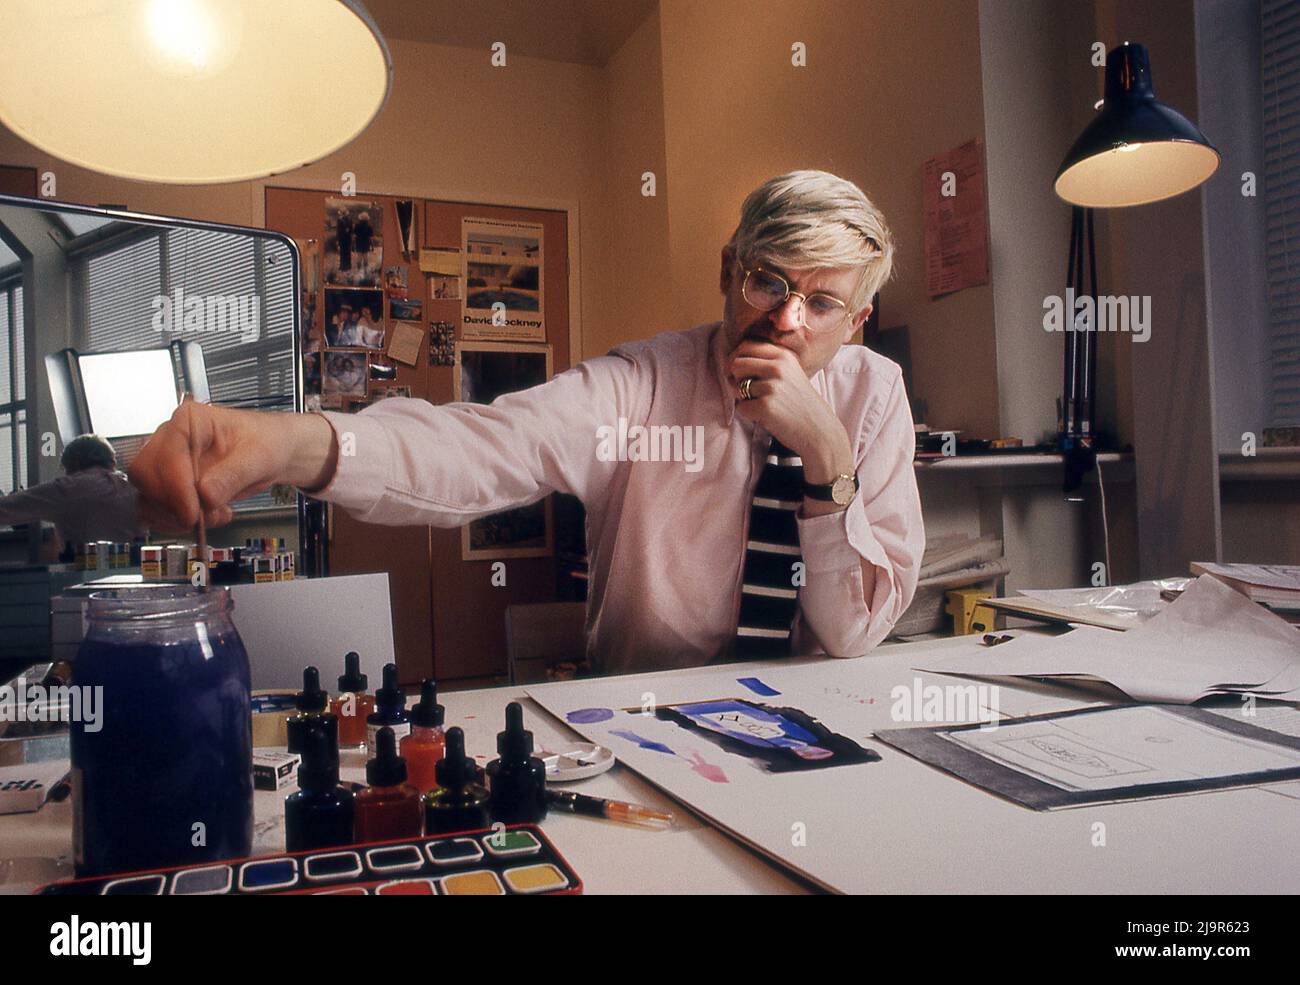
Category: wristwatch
[839,491]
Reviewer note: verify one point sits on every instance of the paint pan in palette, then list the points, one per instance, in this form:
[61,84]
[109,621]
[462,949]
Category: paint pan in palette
[505,861]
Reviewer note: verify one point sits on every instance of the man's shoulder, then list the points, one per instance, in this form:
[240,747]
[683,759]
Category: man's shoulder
[859,361]
[668,346]
[95,480]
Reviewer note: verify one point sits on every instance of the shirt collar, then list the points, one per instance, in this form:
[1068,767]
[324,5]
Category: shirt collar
[726,392]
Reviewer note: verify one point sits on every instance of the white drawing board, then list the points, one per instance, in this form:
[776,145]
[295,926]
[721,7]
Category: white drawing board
[795,804]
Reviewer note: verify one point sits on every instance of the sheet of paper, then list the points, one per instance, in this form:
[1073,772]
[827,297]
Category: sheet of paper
[716,754]
[1211,640]
[1284,719]
[1125,747]
[955,220]
[405,344]
[445,262]
[1283,576]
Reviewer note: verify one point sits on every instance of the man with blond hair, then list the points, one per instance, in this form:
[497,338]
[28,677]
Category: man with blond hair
[794,528]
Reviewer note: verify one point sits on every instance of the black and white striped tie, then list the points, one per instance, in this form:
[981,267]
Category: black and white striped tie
[769,595]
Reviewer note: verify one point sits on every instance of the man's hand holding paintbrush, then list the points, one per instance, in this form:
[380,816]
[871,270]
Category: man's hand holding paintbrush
[207,457]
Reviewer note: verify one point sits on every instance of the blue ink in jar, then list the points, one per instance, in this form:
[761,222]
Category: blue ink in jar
[166,780]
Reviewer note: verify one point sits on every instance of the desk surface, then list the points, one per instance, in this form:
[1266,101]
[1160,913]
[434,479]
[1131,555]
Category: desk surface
[934,833]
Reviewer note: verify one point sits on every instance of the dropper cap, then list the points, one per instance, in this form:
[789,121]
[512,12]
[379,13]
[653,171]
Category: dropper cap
[319,769]
[311,697]
[515,743]
[387,769]
[353,680]
[455,770]
[389,698]
[428,713]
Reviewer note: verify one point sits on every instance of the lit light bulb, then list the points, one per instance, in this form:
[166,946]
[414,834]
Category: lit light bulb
[193,38]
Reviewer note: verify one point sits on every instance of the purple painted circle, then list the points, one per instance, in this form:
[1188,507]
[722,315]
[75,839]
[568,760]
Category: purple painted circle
[589,716]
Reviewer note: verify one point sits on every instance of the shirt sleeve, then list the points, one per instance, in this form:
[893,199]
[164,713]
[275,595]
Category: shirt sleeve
[406,461]
[43,502]
[881,527]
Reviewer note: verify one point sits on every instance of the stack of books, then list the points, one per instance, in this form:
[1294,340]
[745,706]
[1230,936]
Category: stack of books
[1276,586]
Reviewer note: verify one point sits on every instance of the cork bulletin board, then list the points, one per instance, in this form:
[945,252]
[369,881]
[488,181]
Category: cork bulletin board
[448,616]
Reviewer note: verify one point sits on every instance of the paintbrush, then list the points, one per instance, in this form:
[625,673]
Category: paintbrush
[201,528]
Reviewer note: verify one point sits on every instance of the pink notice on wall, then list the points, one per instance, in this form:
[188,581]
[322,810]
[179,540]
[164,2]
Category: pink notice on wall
[956,220]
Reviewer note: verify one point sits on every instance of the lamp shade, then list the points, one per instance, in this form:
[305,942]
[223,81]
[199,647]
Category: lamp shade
[1137,149]
[191,91]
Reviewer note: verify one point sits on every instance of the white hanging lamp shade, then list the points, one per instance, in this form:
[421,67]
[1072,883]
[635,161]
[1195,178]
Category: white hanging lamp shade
[191,91]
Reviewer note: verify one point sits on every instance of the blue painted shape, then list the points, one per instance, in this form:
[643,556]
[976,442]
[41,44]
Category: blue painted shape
[589,716]
[748,723]
[644,743]
[758,687]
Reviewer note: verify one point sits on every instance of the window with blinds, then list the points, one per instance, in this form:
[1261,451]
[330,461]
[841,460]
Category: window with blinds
[13,390]
[1280,87]
[243,315]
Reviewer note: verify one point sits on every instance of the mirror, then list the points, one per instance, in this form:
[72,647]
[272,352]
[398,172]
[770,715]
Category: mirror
[108,319]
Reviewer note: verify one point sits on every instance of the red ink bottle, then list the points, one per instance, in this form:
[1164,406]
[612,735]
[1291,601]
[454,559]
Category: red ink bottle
[424,748]
[389,807]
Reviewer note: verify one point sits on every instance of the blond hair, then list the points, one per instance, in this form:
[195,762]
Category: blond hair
[807,220]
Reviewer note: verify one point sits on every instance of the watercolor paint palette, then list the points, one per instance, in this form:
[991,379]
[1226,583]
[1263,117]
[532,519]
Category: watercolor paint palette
[505,861]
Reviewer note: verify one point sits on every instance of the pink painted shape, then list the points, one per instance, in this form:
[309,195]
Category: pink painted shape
[706,769]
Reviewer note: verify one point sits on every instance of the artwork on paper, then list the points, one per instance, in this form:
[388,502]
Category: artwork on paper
[503,280]
[754,748]
[782,739]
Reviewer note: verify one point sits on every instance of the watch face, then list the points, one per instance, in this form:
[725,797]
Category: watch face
[842,490]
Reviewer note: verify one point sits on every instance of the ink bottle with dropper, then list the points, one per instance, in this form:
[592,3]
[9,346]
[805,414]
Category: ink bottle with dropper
[423,749]
[311,702]
[319,814]
[353,705]
[390,710]
[518,778]
[458,803]
[389,807]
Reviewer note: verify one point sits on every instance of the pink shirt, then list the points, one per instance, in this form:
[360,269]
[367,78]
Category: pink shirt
[665,539]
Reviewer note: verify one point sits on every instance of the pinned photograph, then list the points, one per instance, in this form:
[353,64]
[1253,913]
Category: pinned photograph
[343,375]
[405,309]
[442,343]
[354,242]
[311,378]
[312,335]
[395,281]
[354,317]
[503,280]
[443,266]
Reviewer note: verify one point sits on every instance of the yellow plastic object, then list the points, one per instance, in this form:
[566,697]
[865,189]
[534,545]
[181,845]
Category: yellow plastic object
[968,616]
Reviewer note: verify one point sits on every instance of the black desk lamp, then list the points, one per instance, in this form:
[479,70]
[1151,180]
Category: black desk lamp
[1136,151]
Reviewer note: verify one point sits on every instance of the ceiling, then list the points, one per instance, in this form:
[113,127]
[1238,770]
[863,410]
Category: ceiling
[587,32]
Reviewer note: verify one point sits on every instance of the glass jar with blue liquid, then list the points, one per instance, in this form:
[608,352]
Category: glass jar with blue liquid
[165,776]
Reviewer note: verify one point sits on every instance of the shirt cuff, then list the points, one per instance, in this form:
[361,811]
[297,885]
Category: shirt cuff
[364,462]
[839,541]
